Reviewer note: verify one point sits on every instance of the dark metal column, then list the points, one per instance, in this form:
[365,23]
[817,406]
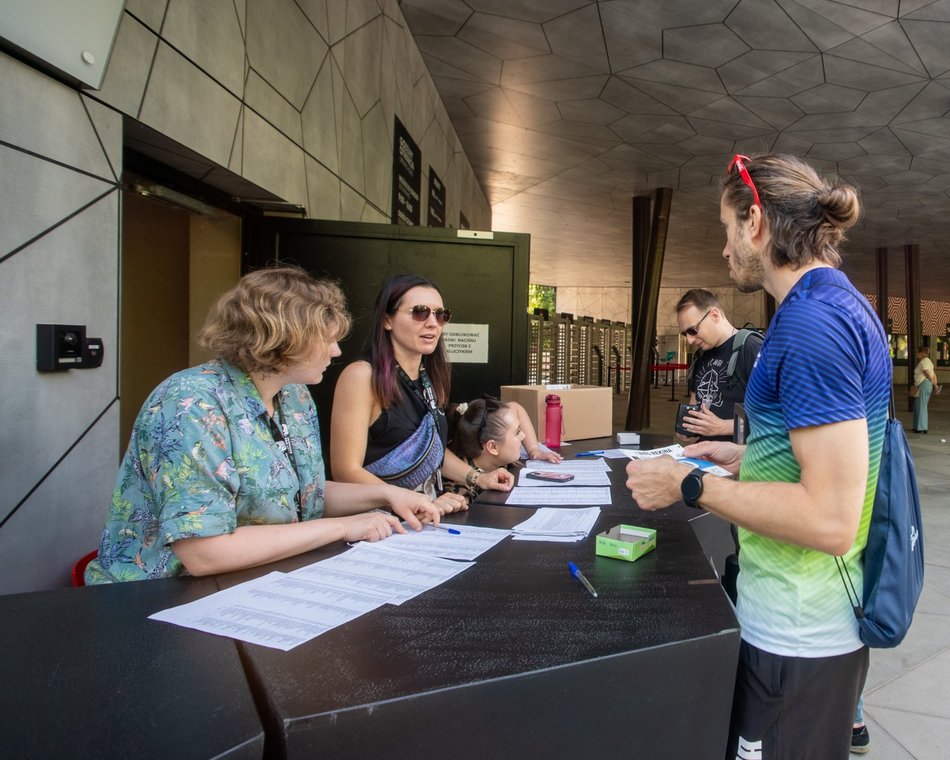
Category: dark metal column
[640,243]
[914,333]
[881,262]
[647,271]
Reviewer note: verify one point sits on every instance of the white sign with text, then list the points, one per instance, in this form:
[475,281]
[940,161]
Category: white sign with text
[466,344]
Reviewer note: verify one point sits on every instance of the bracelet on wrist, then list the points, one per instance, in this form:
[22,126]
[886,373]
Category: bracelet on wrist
[472,476]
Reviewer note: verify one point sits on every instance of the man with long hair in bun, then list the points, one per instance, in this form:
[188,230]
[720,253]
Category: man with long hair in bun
[817,408]
[224,470]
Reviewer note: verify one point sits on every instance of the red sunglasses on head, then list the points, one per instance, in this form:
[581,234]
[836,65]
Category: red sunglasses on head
[738,161]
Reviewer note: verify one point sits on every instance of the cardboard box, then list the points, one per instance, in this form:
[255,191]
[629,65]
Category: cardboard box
[587,409]
[627,542]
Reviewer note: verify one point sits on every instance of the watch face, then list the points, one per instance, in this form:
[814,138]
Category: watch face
[692,487]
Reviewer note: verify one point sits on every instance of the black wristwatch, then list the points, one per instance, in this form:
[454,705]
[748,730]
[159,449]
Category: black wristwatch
[691,487]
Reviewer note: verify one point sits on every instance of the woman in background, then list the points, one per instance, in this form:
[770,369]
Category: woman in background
[224,469]
[388,422]
[925,381]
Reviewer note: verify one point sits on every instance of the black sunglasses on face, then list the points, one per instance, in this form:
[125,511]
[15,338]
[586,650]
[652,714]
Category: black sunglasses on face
[693,331]
[421,313]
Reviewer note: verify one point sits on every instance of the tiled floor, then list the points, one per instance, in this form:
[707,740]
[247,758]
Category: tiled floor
[907,698]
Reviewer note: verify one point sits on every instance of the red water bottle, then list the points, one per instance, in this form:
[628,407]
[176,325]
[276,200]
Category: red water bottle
[552,421]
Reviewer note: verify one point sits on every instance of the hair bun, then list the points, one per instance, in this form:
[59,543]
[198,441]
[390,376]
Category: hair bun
[840,205]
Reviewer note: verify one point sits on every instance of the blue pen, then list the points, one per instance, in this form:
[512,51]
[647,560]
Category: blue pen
[453,531]
[575,571]
[589,454]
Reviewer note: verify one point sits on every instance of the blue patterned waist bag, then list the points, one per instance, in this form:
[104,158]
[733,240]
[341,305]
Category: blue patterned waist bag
[414,460]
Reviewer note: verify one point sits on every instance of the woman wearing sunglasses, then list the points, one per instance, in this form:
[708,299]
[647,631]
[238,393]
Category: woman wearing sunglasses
[488,433]
[388,422]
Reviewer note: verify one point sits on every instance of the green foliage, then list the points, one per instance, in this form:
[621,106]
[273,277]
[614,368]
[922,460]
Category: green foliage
[541,297]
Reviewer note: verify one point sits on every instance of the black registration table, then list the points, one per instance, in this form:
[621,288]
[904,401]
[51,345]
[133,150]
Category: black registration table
[85,674]
[510,658]
[514,658]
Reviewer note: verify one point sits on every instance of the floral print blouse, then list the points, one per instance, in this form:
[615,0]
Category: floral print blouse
[202,461]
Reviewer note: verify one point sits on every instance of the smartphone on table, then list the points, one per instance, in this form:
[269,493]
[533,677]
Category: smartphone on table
[550,476]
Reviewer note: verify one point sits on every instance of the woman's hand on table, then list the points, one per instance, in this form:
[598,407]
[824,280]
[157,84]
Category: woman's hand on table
[545,456]
[495,480]
[414,507]
[369,526]
[450,502]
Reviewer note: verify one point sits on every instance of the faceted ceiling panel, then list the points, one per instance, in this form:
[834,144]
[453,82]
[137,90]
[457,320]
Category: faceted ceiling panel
[568,108]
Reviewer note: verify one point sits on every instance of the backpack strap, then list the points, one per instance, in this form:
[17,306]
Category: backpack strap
[692,366]
[891,407]
[737,371]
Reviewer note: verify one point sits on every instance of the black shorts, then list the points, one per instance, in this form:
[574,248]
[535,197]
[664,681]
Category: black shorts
[794,707]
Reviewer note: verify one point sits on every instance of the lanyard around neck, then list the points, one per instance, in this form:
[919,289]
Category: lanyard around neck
[427,394]
[281,435]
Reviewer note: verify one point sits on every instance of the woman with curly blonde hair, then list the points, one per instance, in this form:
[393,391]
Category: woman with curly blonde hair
[224,469]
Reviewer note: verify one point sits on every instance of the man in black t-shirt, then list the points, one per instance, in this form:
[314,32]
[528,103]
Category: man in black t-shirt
[711,382]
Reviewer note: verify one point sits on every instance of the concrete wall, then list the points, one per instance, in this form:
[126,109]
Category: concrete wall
[296,97]
[614,304]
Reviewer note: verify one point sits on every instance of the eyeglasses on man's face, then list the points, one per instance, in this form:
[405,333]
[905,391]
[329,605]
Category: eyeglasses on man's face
[420,313]
[738,161]
[693,331]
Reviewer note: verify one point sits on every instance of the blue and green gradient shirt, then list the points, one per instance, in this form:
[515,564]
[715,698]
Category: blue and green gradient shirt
[824,361]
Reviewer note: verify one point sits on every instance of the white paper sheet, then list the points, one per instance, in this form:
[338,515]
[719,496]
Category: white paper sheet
[712,469]
[599,478]
[569,539]
[400,575]
[607,453]
[676,451]
[570,465]
[553,495]
[557,525]
[468,543]
[283,610]
[277,610]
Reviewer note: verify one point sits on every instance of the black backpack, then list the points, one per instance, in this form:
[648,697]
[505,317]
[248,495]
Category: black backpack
[736,371]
